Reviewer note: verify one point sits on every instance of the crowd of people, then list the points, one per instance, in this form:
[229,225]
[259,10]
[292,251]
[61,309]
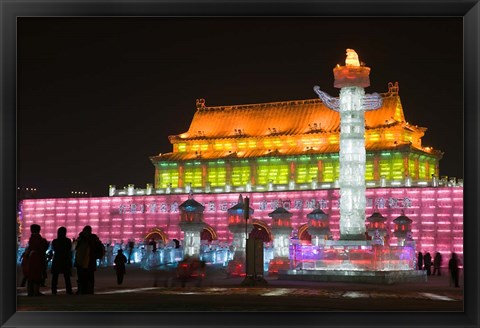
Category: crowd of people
[424,262]
[82,255]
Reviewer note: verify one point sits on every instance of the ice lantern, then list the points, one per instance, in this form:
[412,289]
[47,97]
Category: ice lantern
[238,227]
[402,228]
[191,223]
[318,226]
[376,224]
[281,229]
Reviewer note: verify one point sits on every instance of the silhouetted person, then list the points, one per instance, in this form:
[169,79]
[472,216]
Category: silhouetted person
[420,261]
[62,260]
[177,243]
[35,265]
[89,249]
[427,261]
[131,244]
[453,268]
[120,261]
[153,243]
[437,263]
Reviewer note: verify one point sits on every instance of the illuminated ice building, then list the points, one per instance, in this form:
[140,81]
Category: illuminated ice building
[281,155]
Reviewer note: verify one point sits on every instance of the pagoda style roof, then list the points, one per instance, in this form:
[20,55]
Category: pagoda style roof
[376,217]
[402,219]
[317,214]
[282,118]
[239,208]
[191,205]
[280,212]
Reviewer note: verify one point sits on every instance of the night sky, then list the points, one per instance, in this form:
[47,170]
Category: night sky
[98,96]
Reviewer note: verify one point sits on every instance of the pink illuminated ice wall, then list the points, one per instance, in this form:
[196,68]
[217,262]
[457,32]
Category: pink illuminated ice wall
[437,213]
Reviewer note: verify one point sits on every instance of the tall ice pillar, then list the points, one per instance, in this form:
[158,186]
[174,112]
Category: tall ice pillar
[351,79]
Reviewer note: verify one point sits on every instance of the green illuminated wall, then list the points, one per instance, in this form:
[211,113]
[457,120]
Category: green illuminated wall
[369,168]
[217,173]
[167,174]
[306,168]
[193,174]
[306,172]
[391,166]
[240,173]
[272,169]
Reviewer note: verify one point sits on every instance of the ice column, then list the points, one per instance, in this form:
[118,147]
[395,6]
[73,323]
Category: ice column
[352,164]
[351,79]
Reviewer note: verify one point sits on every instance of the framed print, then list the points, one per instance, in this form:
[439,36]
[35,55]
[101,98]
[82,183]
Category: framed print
[175,130]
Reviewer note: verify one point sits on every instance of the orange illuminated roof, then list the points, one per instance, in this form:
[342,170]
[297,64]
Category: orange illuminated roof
[280,118]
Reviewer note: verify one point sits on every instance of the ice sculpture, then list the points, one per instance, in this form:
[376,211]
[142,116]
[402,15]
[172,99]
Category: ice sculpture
[352,104]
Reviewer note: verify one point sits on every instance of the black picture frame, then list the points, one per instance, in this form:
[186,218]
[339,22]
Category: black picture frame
[10,10]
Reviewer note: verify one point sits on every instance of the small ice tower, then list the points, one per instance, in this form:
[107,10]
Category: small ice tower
[281,228]
[376,226]
[351,79]
[318,226]
[240,228]
[191,223]
[402,228]
[236,225]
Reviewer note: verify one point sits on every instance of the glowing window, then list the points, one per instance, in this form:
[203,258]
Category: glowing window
[431,167]
[369,171]
[306,172]
[217,174]
[240,174]
[193,175]
[422,169]
[389,136]
[407,137]
[218,146]
[411,166]
[195,147]
[242,144]
[307,141]
[374,137]
[277,173]
[203,147]
[182,147]
[328,171]
[291,142]
[167,176]
[333,139]
[277,143]
[252,144]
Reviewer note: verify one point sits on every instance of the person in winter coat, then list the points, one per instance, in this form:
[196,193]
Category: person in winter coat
[453,268]
[427,260]
[89,248]
[437,263]
[35,264]
[420,261]
[120,261]
[62,260]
